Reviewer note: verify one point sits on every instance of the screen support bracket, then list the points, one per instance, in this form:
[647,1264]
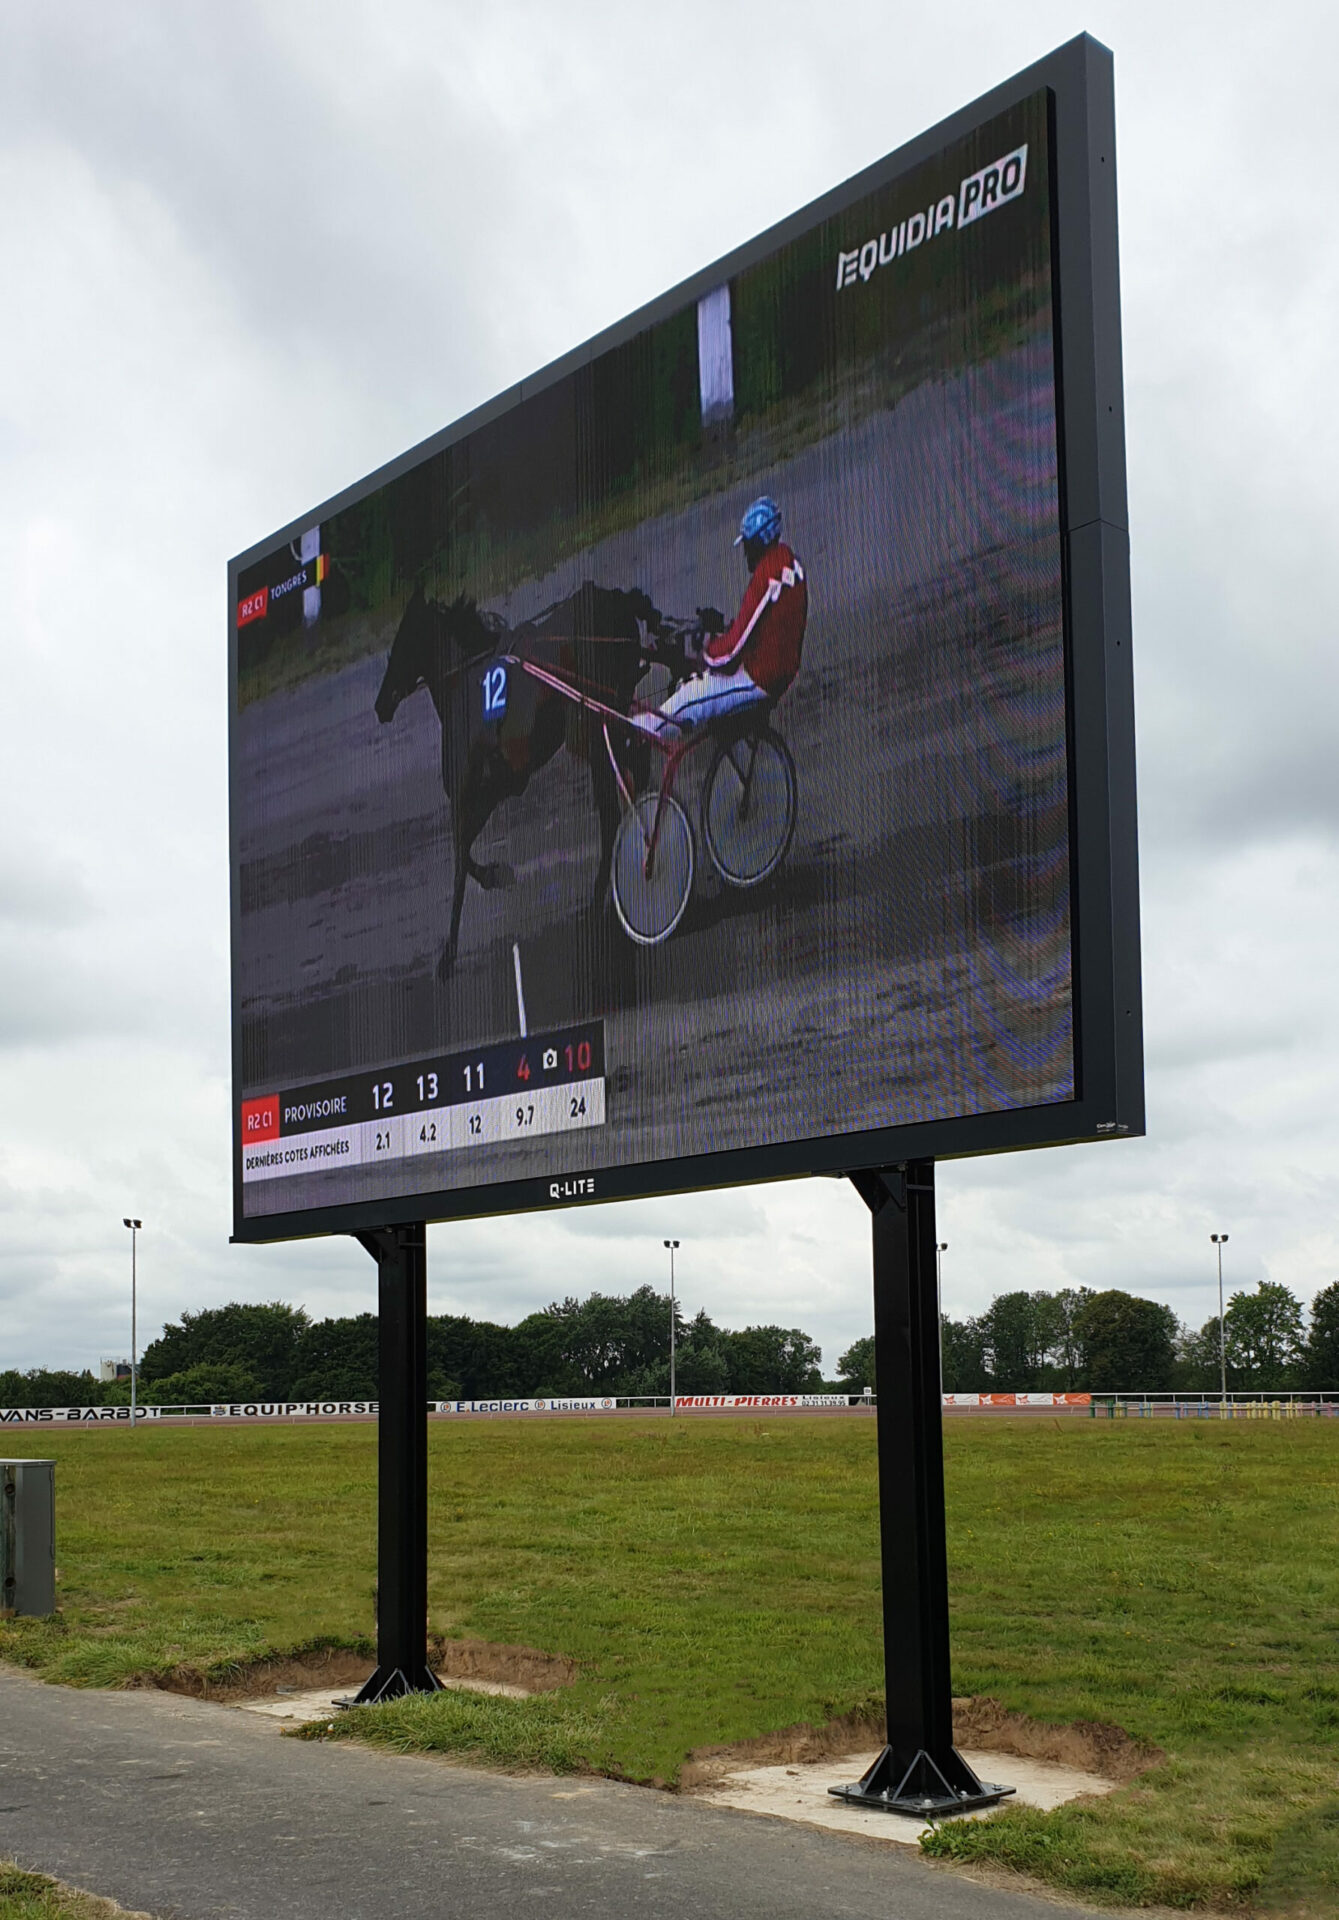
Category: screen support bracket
[401,1254]
[919,1771]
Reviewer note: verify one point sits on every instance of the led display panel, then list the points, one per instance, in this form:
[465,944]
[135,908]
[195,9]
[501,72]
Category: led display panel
[713,760]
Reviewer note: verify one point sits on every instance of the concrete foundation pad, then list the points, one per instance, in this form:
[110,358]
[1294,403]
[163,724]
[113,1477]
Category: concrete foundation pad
[800,1792]
[317,1703]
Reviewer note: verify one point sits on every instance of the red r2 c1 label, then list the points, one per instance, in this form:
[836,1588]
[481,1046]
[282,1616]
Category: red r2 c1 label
[260,1119]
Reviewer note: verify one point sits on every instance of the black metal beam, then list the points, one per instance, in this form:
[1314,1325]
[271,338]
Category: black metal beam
[401,1254]
[919,1771]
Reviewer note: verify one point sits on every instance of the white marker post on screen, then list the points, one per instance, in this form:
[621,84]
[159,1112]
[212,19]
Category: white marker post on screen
[520,990]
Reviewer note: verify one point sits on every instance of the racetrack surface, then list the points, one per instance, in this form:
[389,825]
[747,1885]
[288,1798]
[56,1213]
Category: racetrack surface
[610,1413]
[909,961]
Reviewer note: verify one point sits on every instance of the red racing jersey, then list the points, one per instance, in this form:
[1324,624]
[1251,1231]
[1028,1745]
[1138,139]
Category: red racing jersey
[766,635]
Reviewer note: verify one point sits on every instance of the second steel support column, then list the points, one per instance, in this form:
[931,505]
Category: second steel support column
[919,1771]
[402,1465]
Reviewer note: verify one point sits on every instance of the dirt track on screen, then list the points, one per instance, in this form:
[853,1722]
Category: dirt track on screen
[910,960]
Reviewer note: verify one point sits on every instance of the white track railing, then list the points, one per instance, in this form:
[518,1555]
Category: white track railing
[1292,1404]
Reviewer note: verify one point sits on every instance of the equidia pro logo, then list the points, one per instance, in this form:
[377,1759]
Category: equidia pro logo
[980,193]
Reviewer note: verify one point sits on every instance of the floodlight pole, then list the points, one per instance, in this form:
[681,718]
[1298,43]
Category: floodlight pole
[1220,1241]
[134,1226]
[401,1254]
[919,1771]
[941,1248]
[671,1244]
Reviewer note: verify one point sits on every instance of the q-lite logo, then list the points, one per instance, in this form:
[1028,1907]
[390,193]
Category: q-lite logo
[979,194]
[580,1188]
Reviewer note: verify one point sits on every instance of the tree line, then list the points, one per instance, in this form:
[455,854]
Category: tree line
[1081,1339]
[1071,1340]
[600,1345]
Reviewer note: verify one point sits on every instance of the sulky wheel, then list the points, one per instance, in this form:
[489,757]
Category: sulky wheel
[651,884]
[748,807]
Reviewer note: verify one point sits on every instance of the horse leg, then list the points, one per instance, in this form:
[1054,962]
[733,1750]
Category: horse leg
[495,786]
[447,958]
[471,809]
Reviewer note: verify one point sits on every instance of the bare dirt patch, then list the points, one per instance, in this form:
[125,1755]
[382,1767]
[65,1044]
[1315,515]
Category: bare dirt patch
[1092,1746]
[799,1745]
[980,1723]
[516,1666]
[335,1667]
[344,1668]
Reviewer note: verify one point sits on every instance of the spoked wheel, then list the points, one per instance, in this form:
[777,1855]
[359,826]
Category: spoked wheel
[748,807]
[651,885]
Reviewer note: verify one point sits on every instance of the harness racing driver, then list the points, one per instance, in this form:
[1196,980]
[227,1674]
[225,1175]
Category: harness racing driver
[758,655]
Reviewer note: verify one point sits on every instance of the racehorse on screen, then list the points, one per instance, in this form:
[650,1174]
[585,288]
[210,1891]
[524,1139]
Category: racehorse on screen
[500,725]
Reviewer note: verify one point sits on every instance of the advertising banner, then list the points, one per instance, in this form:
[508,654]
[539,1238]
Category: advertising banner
[1017,1399]
[526,1406]
[73,1416]
[705,1402]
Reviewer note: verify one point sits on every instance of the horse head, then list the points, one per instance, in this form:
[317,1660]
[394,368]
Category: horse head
[623,613]
[644,611]
[431,644]
[406,664]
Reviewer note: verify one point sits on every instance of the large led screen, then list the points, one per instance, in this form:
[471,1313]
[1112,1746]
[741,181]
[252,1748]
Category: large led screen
[675,764]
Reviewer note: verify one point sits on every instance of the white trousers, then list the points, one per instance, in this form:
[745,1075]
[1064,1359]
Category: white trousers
[705,696]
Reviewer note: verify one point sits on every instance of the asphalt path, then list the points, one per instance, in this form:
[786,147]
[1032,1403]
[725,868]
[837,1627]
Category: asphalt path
[200,1812]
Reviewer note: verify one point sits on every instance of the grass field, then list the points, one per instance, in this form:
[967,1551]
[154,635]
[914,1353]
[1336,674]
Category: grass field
[718,1579]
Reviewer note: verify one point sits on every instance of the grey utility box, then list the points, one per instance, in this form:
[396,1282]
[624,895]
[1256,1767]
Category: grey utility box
[28,1536]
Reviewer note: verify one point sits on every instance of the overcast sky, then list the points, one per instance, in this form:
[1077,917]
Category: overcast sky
[251,252]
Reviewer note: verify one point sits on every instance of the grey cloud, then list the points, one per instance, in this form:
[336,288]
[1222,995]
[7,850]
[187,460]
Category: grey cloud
[1214,1043]
[42,893]
[46,996]
[331,218]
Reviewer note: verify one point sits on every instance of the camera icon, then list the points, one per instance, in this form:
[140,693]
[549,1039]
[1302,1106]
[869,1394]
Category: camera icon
[550,1059]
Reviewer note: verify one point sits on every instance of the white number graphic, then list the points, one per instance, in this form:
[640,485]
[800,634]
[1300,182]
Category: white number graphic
[495,692]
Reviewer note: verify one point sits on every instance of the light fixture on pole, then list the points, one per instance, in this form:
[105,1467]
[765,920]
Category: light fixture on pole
[671,1244]
[1220,1241]
[134,1226]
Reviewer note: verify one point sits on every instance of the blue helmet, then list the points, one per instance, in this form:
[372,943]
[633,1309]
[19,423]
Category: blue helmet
[762,522]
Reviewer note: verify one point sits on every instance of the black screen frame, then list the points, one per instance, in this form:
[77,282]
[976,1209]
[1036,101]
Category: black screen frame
[1108,1028]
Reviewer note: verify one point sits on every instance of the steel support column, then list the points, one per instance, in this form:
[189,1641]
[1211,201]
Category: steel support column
[402,1465]
[919,1771]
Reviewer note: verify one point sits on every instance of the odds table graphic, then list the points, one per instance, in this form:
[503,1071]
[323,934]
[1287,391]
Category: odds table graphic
[552,1083]
[670,776]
